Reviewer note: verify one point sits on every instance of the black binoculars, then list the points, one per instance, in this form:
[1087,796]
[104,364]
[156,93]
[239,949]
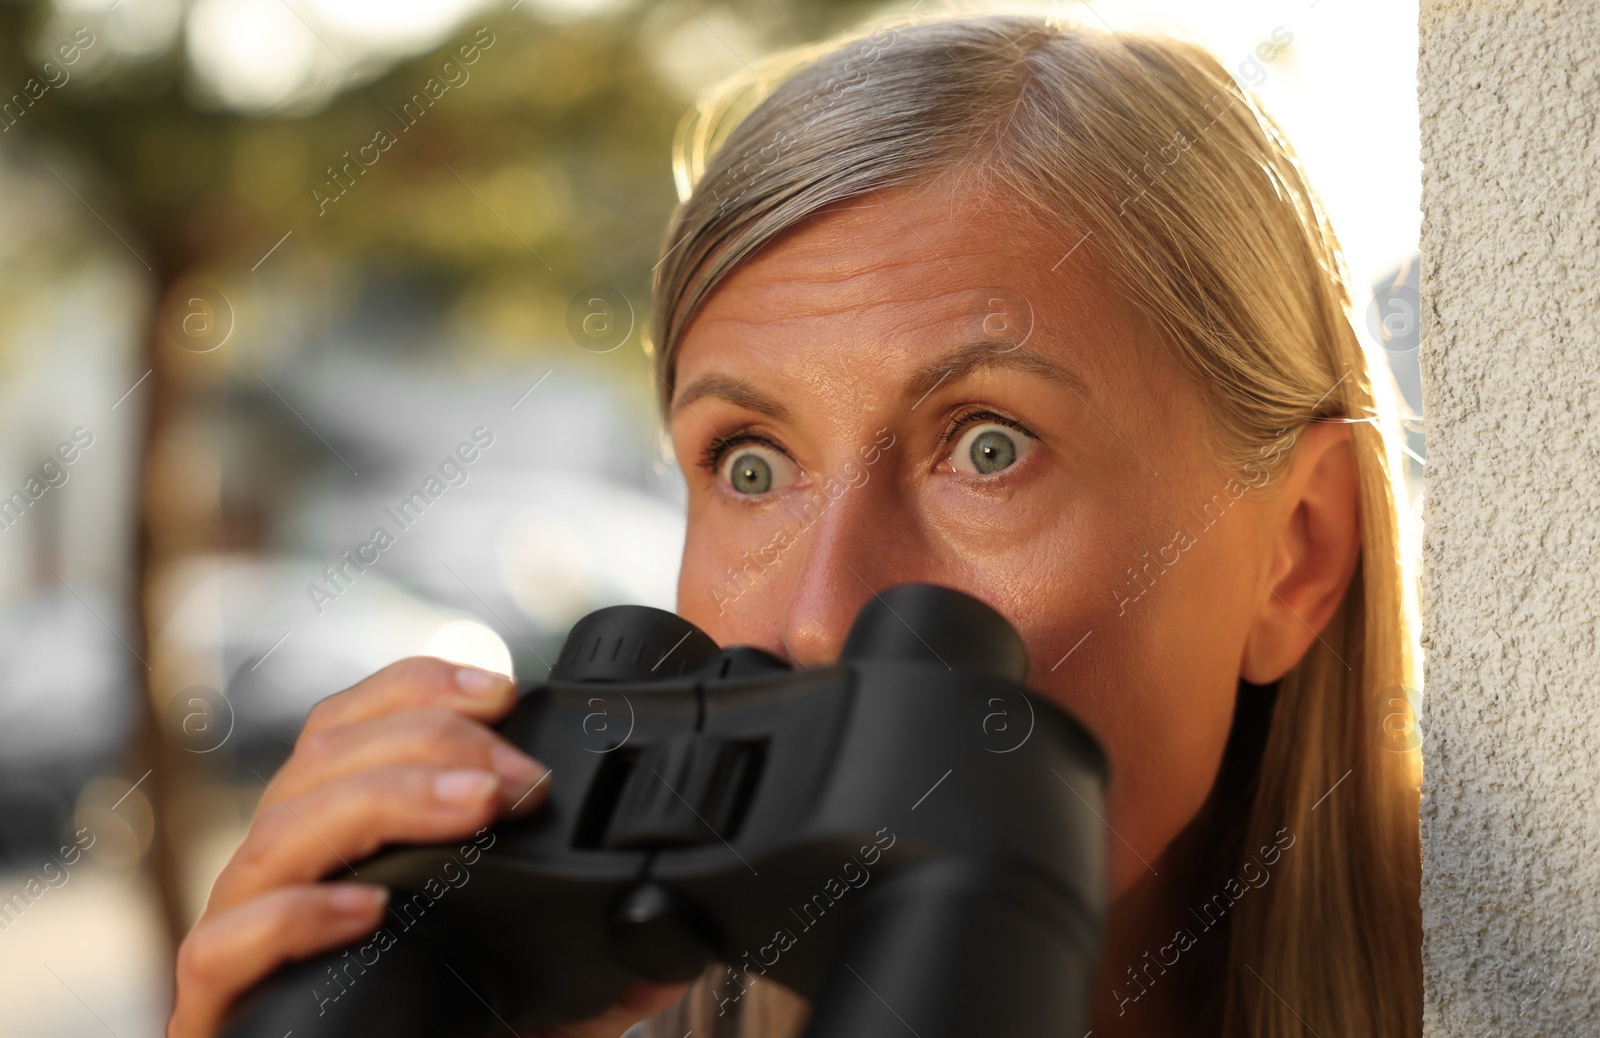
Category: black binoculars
[908,838]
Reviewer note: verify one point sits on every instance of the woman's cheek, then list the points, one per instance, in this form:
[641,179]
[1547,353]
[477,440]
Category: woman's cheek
[1139,671]
[992,523]
[1150,796]
[1163,714]
[738,560]
[702,593]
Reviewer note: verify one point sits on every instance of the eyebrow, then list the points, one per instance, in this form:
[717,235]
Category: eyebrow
[735,391]
[955,364]
[980,354]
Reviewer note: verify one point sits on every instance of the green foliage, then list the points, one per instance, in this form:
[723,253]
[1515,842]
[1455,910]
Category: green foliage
[548,166]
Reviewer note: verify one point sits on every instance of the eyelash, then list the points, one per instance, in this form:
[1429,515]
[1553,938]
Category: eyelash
[961,421]
[711,458]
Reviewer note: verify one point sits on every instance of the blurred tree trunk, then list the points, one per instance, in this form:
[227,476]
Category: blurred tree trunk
[153,745]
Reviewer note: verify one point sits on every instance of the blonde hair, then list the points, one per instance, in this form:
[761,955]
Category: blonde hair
[1188,196]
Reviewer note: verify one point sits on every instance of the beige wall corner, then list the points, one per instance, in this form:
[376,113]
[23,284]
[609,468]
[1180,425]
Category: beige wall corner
[1510,99]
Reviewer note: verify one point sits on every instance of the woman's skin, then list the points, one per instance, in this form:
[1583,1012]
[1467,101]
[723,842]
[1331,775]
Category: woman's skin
[995,419]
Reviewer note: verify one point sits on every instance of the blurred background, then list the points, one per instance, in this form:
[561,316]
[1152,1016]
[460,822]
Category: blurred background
[267,265]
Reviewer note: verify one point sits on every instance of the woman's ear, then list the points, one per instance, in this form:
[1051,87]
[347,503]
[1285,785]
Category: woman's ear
[1312,543]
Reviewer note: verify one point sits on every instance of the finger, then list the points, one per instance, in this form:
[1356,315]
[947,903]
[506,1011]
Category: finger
[346,821]
[639,1000]
[414,684]
[225,954]
[434,737]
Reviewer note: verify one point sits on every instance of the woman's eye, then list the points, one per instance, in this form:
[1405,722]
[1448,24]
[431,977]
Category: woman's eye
[987,448]
[750,468]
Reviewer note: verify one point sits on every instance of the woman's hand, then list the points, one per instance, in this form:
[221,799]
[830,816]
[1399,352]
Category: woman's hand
[403,757]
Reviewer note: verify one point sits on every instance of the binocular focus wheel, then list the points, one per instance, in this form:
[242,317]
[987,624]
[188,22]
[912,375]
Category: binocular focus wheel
[632,643]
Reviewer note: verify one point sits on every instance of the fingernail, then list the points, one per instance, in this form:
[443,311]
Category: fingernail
[356,898]
[479,683]
[519,772]
[463,787]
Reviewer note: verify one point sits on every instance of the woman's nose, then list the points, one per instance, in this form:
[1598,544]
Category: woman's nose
[860,543]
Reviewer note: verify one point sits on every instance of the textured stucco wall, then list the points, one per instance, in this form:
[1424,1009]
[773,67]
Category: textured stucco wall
[1510,97]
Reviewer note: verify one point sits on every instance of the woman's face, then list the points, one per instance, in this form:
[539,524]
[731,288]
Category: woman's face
[914,388]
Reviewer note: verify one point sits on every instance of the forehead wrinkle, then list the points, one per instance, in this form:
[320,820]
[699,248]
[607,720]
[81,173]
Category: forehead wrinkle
[825,256]
[914,300]
[842,266]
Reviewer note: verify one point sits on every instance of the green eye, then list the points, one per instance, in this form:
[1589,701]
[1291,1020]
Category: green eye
[988,448]
[753,468]
[992,451]
[750,474]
